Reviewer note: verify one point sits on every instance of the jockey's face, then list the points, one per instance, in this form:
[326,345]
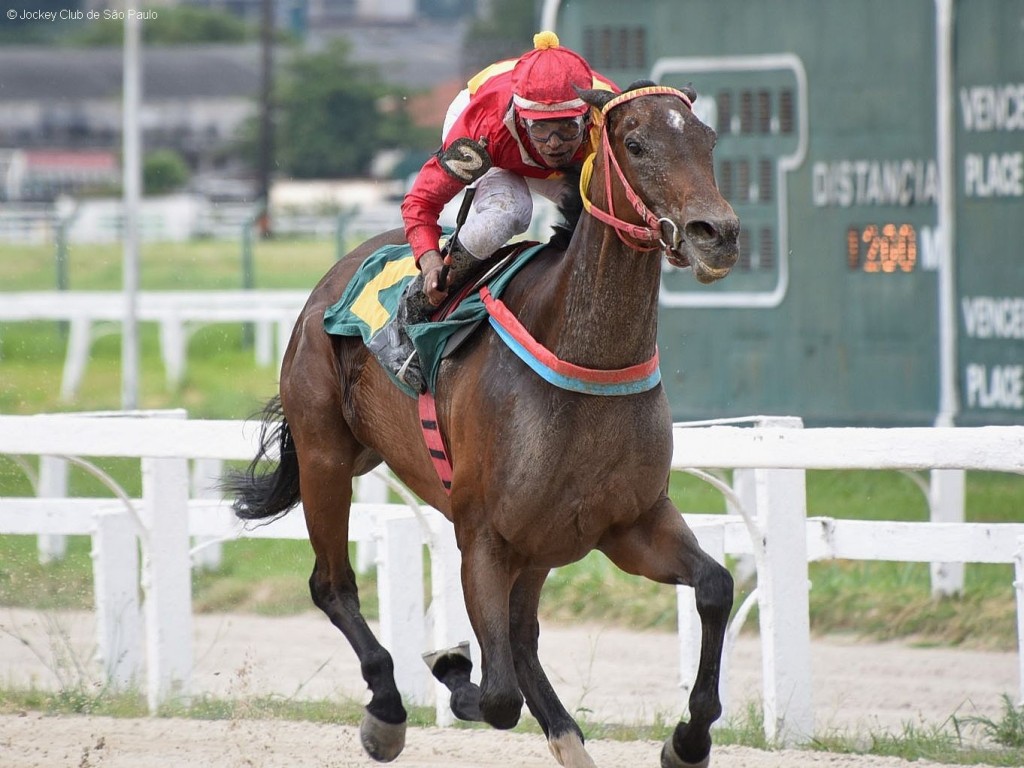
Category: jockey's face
[556,141]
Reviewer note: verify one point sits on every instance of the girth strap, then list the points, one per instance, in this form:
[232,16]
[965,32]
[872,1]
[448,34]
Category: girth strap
[435,443]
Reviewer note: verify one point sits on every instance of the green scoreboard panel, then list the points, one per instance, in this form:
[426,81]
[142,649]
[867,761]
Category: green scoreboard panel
[989,108]
[826,116]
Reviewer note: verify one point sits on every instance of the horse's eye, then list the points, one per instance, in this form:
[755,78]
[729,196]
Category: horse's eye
[634,147]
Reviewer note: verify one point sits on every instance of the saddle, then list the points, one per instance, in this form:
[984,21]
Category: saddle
[372,297]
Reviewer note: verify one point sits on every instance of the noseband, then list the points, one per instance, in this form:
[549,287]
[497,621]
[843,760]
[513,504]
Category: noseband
[644,238]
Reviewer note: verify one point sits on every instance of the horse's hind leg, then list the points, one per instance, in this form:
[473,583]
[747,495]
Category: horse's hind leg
[565,739]
[662,547]
[326,477]
[487,578]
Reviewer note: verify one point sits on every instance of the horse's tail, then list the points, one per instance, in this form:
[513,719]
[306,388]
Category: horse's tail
[261,494]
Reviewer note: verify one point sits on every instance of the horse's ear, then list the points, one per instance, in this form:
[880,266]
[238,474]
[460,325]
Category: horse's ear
[595,97]
[637,84]
[688,89]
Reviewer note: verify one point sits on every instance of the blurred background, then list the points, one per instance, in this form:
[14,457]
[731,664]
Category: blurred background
[353,90]
[871,149]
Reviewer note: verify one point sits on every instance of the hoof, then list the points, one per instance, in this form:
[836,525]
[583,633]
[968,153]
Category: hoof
[694,743]
[443,662]
[382,741]
[453,667]
[669,758]
[502,712]
[465,703]
[568,750]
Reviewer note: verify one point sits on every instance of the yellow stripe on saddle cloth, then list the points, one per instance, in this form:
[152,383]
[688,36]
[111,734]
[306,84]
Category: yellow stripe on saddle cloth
[373,294]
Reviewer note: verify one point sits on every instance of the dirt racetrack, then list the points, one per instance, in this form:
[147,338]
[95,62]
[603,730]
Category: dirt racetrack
[608,675]
[94,742]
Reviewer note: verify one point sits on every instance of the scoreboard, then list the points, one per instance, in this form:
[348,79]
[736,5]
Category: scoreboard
[827,114]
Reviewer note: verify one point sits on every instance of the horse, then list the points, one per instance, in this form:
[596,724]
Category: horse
[540,475]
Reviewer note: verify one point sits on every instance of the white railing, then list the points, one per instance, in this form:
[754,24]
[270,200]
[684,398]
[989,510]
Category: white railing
[178,313]
[770,461]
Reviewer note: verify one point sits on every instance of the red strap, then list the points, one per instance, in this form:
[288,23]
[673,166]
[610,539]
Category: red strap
[435,443]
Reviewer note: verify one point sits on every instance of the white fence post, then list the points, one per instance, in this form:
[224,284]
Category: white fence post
[744,484]
[400,592]
[53,483]
[783,606]
[947,493]
[115,555]
[370,488]
[205,474]
[284,335]
[166,579]
[79,341]
[265,337]
[173,350]
[783,601]
[1018,585]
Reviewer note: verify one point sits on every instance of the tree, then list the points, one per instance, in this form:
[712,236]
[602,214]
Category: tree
[21,24]
[174,26]
[505,33]
[163,171]
[334,115]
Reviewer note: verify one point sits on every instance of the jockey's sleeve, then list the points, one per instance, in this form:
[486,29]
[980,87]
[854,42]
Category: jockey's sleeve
[479,120]
[423,204]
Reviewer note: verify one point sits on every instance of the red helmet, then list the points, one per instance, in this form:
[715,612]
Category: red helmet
[544,81]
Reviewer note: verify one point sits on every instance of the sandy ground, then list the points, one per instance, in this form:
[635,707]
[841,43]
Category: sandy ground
[611,675]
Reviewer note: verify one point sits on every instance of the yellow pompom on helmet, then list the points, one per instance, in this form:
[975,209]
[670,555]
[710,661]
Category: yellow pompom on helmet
[544,81]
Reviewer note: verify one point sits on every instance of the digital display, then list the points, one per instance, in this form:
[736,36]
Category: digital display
[882,248]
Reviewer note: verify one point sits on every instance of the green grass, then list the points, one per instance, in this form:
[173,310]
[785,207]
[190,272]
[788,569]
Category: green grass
[1007,731]
[222,380]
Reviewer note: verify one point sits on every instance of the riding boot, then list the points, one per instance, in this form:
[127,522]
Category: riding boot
[464,265]
[392,344]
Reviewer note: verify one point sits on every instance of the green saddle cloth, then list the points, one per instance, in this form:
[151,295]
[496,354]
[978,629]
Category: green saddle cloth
[372,296]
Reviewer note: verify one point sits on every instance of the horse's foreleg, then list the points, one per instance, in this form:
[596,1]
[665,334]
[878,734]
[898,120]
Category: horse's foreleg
[662,547]
[326,496]
[487,582]
[565,739]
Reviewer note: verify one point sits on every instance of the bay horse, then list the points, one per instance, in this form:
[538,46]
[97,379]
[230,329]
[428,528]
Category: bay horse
[541,475]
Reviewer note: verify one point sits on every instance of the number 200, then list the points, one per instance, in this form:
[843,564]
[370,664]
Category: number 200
[882,248]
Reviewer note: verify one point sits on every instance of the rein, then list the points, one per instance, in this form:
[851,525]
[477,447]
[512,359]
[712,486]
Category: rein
[644,238]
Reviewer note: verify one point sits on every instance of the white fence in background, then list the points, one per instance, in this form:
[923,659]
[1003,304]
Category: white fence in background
[770,460]
[178,313]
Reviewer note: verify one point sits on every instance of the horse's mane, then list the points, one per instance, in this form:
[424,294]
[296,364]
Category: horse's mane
[570,207]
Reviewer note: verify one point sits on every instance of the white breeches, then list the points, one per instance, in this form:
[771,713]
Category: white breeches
[502,209]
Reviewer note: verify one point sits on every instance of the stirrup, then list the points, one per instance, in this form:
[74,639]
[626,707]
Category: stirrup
[411,375]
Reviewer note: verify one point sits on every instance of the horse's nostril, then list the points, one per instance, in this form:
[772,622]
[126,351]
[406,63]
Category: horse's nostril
[701,232]
[708,233]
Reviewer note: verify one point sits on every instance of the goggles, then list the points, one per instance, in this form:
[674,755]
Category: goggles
[566,129]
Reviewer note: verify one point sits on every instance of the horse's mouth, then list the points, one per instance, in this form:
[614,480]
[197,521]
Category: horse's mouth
[704,272]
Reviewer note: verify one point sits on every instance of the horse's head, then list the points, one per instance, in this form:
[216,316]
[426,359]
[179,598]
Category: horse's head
[654,165]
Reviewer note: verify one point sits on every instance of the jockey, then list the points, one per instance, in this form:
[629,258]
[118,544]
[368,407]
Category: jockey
[515,127]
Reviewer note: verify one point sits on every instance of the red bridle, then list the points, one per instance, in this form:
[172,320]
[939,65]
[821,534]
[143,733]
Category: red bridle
[644,238]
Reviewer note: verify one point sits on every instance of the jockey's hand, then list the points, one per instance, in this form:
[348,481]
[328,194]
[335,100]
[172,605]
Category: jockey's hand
[430,265]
